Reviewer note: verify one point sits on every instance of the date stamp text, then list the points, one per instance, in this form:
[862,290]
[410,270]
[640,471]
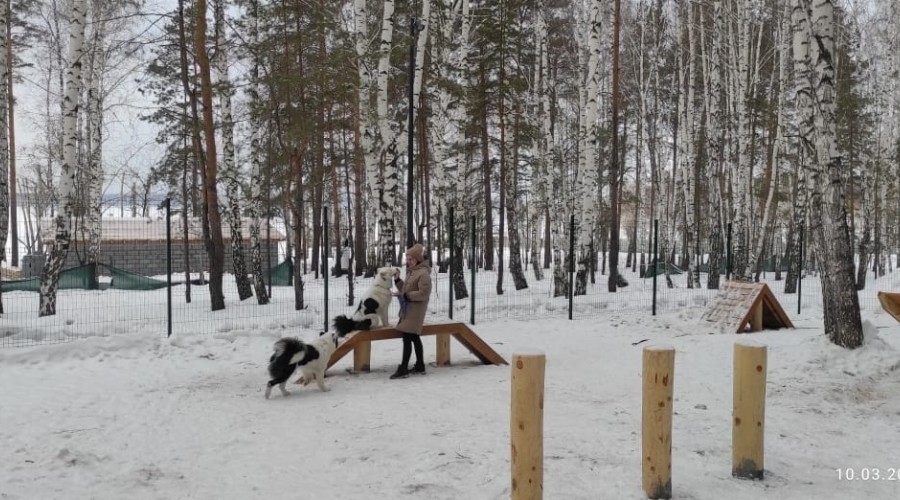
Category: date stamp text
[867,474]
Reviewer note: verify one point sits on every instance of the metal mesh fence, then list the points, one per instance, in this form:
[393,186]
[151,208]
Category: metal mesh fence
[110,311]
[132,296]
[636,298]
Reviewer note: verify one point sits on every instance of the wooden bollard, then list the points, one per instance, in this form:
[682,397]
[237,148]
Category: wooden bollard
[656,421]
[526,426]
[362,355]
[748,424]
[443,349]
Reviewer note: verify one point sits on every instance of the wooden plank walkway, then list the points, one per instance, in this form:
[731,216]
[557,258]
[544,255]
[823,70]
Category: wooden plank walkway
[361,344]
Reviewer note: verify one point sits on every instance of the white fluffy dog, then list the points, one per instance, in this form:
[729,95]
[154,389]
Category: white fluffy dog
[372,310]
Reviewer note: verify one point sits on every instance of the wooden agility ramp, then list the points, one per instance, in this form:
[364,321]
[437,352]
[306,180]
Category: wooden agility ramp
[361,344]
[890,302]
[743,306]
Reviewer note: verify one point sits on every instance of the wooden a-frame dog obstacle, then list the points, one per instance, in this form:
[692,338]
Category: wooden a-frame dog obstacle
[890,302]
[361,344]
[744,306]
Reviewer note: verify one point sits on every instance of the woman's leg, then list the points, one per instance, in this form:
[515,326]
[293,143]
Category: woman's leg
[407,348]
[403,369]
[420,359]
[417,345]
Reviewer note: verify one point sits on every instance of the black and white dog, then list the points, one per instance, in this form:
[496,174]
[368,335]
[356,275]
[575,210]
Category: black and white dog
[372,310]
[311,358]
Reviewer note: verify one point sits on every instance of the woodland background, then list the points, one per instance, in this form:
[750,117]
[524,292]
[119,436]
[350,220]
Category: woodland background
[750,122]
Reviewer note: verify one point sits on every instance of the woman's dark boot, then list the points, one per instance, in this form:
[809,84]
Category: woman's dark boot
[418,368]
[402,372]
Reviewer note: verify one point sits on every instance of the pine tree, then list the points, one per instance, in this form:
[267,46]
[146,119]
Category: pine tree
[211,195]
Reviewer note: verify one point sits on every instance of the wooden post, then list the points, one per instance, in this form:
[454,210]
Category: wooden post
[526,426]
[656,433]
[748,430]
[443,349]
[362,356]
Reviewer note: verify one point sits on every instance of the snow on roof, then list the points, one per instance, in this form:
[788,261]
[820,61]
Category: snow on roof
[123,230]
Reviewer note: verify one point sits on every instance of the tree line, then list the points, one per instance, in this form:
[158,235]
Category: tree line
[769,117]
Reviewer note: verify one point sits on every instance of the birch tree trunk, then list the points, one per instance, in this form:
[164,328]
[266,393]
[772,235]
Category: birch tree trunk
[449,49]
[418,103]
[615,278]
[651,117]
[4,138]
[797,225]
[439,120]
[868,240]
[813,48]
[230,173]
[558,218]
[539,201]
[743,184]
[689,159]
[504,170]
[68,171]
[670,215]
[878,225]
[462,197]
[387,185]
[94,171]
[366,129]
[870,190]
[11,127]
[255,203]
[484,88]
[714,139]
[295,234]
[640,206]
[559,231]
[771,205]
[587,181]
[191,130]
[512,217]
[892,144]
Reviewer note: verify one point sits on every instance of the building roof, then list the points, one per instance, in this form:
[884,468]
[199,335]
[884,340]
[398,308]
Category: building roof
[130,230]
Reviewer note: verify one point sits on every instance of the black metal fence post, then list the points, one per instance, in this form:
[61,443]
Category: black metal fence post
[269,252]
[169,266]
[474,264]
[571,263]
[728,255]
[655,260]
[800,272]
[450,265]
[325,258]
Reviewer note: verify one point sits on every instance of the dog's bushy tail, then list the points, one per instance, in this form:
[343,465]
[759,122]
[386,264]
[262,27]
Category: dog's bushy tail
[344,325]
[284,349]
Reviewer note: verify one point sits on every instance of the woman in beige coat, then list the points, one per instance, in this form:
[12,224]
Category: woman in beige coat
[413,296]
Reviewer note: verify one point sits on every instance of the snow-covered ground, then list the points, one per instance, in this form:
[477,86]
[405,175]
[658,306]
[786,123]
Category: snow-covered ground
[131,414]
